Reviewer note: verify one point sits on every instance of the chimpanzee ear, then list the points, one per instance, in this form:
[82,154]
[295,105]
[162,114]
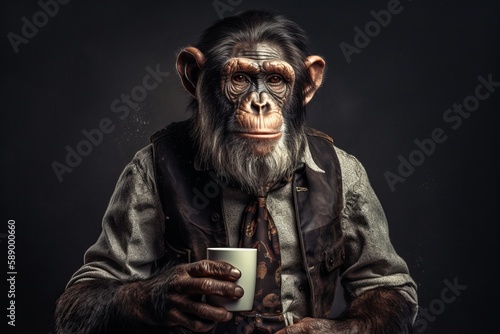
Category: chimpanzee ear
[316,68]
[190,61]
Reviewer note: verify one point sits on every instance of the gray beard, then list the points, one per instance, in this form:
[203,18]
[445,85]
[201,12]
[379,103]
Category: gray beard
[234,161]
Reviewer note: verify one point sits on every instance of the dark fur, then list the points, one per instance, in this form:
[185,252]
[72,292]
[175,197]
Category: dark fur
[84,307]
[379,311]
[108,306]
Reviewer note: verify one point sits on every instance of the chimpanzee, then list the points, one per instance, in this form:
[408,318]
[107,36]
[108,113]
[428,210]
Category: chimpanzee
[245,161]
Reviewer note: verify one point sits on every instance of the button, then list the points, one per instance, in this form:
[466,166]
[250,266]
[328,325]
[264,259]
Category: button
[215,217]
[302,287]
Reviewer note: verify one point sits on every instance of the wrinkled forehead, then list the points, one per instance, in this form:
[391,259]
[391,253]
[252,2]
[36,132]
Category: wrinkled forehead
[257,51]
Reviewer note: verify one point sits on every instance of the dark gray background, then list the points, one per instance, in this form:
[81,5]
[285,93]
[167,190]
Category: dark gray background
[443,218]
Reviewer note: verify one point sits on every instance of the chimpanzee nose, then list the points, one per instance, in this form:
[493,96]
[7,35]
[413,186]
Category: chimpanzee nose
[260,103]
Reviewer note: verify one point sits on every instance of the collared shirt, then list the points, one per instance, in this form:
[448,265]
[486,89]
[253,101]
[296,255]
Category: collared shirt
[132,236]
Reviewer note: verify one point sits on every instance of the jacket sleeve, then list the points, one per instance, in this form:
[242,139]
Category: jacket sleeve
[371,260]
[132,228]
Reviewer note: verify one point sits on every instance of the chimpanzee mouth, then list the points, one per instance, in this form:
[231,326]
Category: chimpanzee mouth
[260,134]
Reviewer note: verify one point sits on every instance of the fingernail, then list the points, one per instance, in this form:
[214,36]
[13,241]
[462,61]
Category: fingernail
[239,292]
[235,273]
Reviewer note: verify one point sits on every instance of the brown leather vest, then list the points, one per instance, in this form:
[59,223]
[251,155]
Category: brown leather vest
[192,203]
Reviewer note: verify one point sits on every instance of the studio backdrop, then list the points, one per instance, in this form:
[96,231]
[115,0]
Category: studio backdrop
[412,89]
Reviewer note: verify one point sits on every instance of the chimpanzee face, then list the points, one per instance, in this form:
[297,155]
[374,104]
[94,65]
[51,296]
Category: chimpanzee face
[258,84]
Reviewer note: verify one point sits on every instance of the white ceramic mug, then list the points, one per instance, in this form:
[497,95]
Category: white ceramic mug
[245,260]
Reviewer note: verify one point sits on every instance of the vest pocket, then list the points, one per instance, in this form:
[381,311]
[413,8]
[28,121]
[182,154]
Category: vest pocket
[333,257]
[177,255]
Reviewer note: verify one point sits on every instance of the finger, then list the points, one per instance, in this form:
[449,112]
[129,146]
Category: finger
[177,318]
[217,269]
[211,286]
[206,311]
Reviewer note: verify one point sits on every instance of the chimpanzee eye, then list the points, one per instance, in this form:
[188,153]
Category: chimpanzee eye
[275,79]
[239,78]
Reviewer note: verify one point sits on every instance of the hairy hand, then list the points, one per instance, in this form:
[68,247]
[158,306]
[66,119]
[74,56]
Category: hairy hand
[174,297]
[380,310]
